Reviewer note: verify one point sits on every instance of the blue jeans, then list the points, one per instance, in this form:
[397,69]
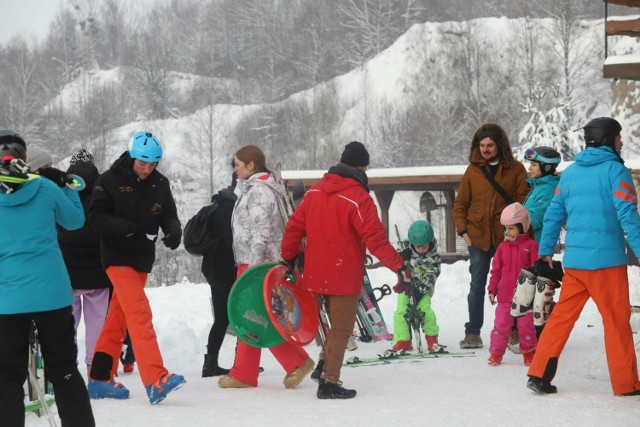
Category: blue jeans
[479,265]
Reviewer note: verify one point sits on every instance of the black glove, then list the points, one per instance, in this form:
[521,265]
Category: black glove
[134,230]
[289,263]
[58,177]
[172,240]
[406,254]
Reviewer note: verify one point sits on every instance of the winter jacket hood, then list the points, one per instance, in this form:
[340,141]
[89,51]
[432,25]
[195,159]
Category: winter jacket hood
[499,136]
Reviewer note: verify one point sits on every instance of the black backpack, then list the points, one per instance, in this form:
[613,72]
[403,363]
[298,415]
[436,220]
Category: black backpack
[198,237]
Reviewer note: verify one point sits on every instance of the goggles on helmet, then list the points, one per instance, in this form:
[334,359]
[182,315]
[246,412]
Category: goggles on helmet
[533,156]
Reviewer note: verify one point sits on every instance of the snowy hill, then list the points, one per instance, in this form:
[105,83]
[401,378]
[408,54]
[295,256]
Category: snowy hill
[450,392]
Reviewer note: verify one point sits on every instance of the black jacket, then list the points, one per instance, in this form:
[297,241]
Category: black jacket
[119,199]
[218,265]
[81,248]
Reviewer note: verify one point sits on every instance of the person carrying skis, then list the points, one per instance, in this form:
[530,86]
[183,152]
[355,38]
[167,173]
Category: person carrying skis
[256,240]
[131,202]
[517,251]
[339,220]
[597,200]
[35,286]
[421,255]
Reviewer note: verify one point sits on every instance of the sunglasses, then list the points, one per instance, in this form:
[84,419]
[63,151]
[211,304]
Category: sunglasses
[533,156]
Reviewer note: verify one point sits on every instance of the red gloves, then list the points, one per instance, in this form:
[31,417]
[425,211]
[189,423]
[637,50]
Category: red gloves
[404,281]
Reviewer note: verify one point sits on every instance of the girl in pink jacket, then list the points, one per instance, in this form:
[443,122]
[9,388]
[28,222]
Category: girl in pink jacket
[518,250]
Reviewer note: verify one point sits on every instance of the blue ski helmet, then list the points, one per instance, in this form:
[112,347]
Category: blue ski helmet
[420,233]
[145,147]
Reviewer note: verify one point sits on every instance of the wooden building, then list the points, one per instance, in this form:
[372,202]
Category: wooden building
[621,66]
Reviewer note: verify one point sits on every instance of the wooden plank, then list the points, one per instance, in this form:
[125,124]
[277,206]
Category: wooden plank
[628,3]
[622,27]
[621,71]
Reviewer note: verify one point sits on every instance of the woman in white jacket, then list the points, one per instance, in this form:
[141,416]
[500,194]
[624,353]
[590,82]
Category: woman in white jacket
[256,240]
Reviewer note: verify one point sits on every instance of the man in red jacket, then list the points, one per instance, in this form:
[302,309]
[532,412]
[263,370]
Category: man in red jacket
[340,221]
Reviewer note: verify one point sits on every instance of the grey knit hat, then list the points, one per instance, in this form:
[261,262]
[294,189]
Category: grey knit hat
[37,157]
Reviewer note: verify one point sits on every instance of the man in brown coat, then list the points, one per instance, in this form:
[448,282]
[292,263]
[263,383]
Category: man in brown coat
[477,210]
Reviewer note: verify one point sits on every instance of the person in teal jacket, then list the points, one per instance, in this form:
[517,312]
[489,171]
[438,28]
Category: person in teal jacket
[35,286]
[543,162]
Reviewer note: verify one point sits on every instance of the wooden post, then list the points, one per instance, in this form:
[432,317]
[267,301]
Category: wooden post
[384,198]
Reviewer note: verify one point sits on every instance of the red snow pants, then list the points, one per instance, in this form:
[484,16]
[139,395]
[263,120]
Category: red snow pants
[609,289]
[247,362]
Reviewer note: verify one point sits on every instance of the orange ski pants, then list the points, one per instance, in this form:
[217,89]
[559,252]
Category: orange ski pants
[247,362]
[609,289]
[129,308]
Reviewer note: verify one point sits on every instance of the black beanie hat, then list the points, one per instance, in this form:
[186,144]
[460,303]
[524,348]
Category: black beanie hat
[355,155]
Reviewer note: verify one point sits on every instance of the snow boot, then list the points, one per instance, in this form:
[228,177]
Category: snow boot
[471,341]
[107,390]
[315,375]
[403,345]
[227,381]
[127,368]
[158,391]
[545,289]
[433,346]
[528,357]
[525,292]
[327,390]
[494,359]
[292,379]
[210,367]
[540,386]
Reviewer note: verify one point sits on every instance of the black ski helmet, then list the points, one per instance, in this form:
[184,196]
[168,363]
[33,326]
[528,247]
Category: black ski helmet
[601,131]
[546,157]
[12,144]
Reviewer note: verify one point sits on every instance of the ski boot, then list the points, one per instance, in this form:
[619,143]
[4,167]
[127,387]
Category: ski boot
[545,289]
[433,346]
[403,345]
[107,390]
[495,359]
[158,391]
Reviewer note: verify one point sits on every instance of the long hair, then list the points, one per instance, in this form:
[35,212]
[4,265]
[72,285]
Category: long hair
[253,153]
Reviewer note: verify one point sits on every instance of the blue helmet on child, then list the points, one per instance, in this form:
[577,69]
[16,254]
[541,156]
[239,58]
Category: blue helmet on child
[420,233]
[145,147]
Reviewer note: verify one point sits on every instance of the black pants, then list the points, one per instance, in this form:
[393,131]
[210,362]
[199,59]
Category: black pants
[56,334]
[219,296]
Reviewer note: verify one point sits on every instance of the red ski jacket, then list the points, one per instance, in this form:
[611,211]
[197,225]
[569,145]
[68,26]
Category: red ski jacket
[340,221]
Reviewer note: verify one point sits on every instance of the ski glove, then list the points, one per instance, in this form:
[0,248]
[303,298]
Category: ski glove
[404,281]
[134,230]
[172,240]
[406,254]
[58,177]
[556,273]
[289,263]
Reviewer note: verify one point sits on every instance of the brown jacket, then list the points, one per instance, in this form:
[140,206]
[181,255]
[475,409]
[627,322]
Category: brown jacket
[478,205]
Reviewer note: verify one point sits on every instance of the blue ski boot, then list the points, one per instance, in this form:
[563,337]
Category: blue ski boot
[166,384]
[107,390]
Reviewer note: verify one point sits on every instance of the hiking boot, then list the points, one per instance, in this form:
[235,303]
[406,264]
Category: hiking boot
[540,386]
[494,359]
[403,345]
[327,390]
[107,390]
[292,379]
[127,368]
[210,367]
[158,391]
[528,357]
[471,341]
[228,381]
[315,375]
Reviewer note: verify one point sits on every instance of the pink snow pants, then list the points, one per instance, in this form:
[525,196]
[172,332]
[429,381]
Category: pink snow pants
[502,326]
[93,304]
[247,362]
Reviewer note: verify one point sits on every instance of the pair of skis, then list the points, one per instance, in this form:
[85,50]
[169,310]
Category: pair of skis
[39,402]
[391,356]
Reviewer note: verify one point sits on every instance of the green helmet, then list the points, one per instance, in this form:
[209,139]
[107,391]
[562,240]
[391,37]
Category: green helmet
[420,233]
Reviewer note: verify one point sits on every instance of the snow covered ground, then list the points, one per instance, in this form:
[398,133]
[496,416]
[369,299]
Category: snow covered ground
[463,391]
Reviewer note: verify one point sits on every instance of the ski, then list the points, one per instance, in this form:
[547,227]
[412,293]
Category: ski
[372,317]
[36,405]
[390,356]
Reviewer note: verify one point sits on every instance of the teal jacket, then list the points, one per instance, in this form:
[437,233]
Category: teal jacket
[597,200]
[34,277]
[542,191]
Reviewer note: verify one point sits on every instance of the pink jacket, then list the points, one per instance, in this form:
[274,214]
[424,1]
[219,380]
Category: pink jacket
[509,258]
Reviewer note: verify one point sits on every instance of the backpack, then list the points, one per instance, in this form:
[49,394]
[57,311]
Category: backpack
[198,236]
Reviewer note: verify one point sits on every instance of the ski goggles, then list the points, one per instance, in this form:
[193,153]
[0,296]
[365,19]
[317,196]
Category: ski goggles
[533,156]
